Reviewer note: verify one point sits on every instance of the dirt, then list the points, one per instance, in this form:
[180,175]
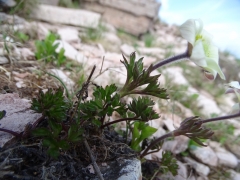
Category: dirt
[28,159]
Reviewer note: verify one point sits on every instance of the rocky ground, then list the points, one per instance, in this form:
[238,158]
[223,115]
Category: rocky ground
[190,92]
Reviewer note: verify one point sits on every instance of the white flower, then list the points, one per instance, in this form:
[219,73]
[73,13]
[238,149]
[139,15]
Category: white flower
[234,87]
[201,49]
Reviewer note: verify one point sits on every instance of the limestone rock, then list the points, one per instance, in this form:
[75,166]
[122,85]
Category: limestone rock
[205,155]
[176,146]
[225,158]
[66,80]
[127,49]
[3,60]
[128,22]
[132,170]
[69,34]
[70,51]
[17,117]
[139,8]
[61,15]
[50,2]
[112,38]
[201,169]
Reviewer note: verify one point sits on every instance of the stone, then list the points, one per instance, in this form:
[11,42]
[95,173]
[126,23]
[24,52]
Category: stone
[205,155]
[154,51]
[26,53]
[128,22]
[132,170]
[7,3]
[182,173]
[234,148]
[112,38]
[205,103]
[127,49]
[176,146]
[18,115]
[66,80]
[50,2]
[70,51]
[139,8]
[69,34]
[176,75]
[225,158]
[234,175]
[68,16]
[3,60]
[201,169]
[109,27]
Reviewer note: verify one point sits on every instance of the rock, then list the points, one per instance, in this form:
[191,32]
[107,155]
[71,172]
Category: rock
[182,173]
[3,60]
[225,158]
[70,51]
[61,15]
[201,169]
[176,146]
[176,75]
[128,22]
[132,170]
[150,51]
[7,3]
[234,175]
[69,34]
[26,53]
[17,117]
[9,19]
[205,155]
[66,80]
[234,148]
[205,103]
[50,2]
[139,8]
[109,27]
[127,49]
[112,39]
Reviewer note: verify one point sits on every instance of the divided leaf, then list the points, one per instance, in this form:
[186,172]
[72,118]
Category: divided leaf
[142,107]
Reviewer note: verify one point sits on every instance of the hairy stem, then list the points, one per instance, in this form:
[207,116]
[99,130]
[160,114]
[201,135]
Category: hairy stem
[221,118]
[10,132]
[155,142]
[119,120]
[169,60]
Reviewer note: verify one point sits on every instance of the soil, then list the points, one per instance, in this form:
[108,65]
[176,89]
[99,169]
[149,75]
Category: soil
[28,159]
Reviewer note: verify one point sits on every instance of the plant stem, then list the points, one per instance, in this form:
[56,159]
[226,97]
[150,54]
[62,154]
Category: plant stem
[119,120]
[10,132]
[221,118]
[171,60]
[156,141]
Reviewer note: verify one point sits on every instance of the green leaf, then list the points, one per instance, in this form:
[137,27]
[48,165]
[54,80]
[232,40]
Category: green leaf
[142,107]
[63,145]
[51,104]
[169,163]
[75,133]
[2,114]
[147,132]
[53,152]
[41,132]
[55,127]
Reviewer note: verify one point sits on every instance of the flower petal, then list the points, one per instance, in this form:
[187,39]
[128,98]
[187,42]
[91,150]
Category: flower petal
[198,26]
[212,66]
[198,55]
[234,84]
[188,31]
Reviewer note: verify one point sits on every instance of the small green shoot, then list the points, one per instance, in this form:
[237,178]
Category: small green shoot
[46,50]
